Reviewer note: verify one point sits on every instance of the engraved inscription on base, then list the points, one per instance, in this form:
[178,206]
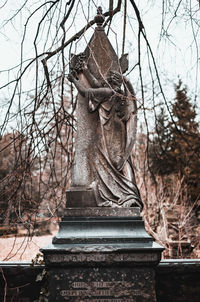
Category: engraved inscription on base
[140,257]
[103,284]
[100,289]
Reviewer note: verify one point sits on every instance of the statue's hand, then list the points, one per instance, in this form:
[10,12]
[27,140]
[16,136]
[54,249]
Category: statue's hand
[81,66]
[70,77]
[84,66]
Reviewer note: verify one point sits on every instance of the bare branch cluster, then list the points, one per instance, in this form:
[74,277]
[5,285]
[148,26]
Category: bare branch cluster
[38,121]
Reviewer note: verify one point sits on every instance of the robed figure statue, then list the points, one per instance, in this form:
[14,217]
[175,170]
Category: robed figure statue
[110,156]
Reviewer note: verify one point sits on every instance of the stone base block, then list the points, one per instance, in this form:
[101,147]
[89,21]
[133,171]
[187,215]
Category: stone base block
[80,197]
[102,284]
[102,255]
[102,226]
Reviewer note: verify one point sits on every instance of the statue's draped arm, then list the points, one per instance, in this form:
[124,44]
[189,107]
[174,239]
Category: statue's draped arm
[80,87]
[103,93]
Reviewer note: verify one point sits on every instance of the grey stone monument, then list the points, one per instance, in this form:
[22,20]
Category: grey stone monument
[102,252]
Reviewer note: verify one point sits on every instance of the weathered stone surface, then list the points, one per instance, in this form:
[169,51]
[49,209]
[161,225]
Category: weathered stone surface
[113,250]
[80,196]
[97,284]
[97,255]
[175,281]
[99,54]
[86,132]
[101,57]
[101,211]
[96,245]
[99,229]
[106,131]
[102,252]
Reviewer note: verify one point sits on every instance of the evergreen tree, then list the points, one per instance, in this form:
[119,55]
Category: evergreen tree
[184,145]
[176,145]
[159,149]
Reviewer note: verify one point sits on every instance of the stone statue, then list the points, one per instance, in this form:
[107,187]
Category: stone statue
[114,99]
[102,235]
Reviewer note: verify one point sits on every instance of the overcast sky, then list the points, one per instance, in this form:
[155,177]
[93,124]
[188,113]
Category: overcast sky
[176,54]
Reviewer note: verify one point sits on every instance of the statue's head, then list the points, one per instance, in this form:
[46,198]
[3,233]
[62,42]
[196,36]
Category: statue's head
[114,78]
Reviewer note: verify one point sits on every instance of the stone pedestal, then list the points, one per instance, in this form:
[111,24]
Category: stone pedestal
[102,255]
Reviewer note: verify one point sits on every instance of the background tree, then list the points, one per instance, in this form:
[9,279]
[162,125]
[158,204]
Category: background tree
[184,146]
[176,145]
[159,150]
[19,196]
[174,163]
